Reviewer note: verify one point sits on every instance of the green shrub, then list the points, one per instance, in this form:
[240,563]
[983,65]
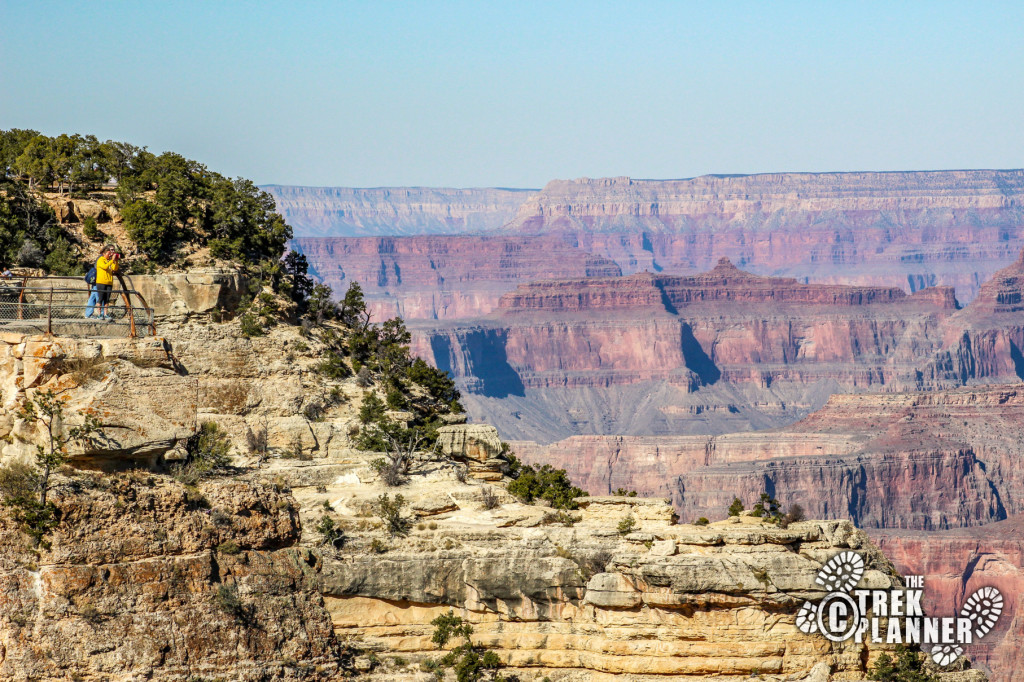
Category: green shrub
[736,507]
[229,547]
[622,492]
[250,326]
[389,511]
[330,534]
[545,483]
[907,666]
[702,521]
[768,508]
[333,365]
[372,410]
[63,258]
[627,525]
[89,229]
[228,601]
[396,400]
[470,663]
[210,447]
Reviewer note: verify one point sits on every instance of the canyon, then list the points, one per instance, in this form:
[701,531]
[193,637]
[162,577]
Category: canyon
[909,230]
[934,477]
[230,575]
[655,354]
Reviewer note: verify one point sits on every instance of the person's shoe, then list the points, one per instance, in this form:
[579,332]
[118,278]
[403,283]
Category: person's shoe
[110,319]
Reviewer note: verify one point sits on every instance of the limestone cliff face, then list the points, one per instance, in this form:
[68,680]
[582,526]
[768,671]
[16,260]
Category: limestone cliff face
[570,597]
[665,204]
[133,587]
[389,211]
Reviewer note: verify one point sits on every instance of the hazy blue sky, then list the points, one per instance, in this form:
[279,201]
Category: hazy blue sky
[515,94]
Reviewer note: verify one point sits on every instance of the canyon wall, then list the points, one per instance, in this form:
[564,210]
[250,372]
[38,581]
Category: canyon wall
[935,477]
[230,574]
[443,277]
[958,562]
[909,230]
[924,461]
[653,354]
[390,211]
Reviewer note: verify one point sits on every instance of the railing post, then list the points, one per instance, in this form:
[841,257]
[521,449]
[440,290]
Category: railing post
[49,312]
[127,304]
[21,299]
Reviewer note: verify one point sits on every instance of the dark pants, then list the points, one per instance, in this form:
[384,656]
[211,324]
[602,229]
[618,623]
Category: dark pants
[103,293]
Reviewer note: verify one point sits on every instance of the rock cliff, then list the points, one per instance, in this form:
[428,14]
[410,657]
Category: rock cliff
[711,353]
[943,459]
[958,562]
[444,277]
[909,230]
[144,577]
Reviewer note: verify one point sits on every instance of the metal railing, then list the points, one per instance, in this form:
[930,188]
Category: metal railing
[60,305]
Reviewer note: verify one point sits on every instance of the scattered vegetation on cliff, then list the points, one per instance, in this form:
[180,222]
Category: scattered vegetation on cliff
[470,662]
[769,510]
[24,487]
[389,510]
[545,483]
[736,507]
[907,666]
[170,206]
[208,453]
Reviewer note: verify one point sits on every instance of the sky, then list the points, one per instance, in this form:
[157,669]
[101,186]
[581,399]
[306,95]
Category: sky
[474,94]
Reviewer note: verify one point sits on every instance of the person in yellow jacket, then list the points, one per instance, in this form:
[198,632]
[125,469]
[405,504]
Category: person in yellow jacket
[106,266]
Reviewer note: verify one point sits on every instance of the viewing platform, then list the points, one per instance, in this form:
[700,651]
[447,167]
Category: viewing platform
[58,305]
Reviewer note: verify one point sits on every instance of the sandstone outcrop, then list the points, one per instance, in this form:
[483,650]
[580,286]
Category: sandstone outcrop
[195,291]
[554,596]
[148,580]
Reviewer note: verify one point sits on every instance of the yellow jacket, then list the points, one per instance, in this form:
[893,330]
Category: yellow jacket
[105,269]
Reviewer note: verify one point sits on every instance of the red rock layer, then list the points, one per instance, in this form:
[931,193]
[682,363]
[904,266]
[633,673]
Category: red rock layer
[958,562]
[906,230]
[936,460]
[440,277]
[725,325]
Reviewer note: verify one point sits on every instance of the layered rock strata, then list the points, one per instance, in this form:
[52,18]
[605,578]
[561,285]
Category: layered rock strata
[441,277]
[145,579]
[946,459]
[712,353]
[910,230]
